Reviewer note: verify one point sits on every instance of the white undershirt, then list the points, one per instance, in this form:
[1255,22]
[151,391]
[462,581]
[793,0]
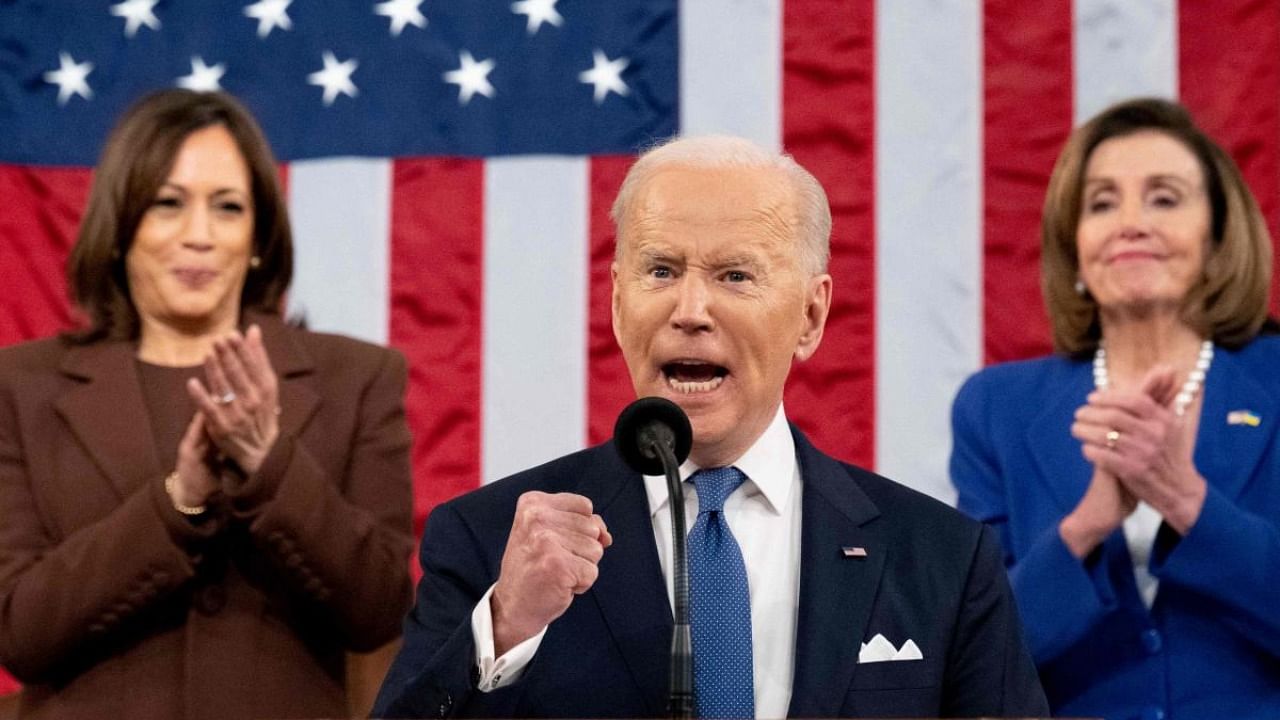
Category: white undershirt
[764,515]
[1140,530]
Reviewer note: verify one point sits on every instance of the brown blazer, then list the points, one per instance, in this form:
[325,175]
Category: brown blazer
[114,605]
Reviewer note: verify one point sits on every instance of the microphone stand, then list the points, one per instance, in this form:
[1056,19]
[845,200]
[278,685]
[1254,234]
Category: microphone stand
[681,698]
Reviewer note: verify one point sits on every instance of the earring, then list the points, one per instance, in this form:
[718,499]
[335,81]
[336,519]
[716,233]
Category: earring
[255,262]
[1081,288]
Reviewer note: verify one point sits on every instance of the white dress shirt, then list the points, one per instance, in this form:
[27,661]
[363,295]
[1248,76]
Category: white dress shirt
[764,515]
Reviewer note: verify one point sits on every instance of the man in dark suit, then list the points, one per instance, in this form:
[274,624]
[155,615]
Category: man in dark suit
[817,588]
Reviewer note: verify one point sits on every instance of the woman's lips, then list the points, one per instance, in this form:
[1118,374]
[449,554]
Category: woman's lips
[1134,255]
[194,277]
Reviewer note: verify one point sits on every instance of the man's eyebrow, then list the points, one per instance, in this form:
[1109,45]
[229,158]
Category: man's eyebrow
[656,256]
[746,259]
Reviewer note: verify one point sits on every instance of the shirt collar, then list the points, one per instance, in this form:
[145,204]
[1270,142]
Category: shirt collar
[769,464]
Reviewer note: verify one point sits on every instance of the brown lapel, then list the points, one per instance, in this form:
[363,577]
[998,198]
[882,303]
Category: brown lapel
[293,365]
[107,414]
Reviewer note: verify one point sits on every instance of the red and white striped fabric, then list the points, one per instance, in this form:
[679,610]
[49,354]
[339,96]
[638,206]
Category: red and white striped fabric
[933,127]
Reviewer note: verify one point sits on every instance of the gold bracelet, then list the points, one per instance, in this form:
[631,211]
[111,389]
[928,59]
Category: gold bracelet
[169,483]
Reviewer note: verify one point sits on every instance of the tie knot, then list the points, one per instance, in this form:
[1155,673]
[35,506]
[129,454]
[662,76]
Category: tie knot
[714,485]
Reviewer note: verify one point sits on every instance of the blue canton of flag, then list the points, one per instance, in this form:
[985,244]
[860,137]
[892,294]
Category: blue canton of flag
[328,78]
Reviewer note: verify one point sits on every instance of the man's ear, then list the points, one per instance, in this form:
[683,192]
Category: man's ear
[817,306]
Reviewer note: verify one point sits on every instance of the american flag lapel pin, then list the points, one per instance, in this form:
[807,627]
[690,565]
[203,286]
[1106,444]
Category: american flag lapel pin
[852,551]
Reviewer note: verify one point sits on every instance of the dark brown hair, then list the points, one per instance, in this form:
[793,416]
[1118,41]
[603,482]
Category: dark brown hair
[136,161]
[1228,303]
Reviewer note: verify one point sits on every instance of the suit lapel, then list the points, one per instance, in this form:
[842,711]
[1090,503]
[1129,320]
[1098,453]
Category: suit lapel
[292,364]
[1227,454]
[631,589]
[836,592]
[1062,467]
[107,414]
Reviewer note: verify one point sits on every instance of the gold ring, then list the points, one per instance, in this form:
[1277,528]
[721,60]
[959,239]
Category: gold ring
[1113,437]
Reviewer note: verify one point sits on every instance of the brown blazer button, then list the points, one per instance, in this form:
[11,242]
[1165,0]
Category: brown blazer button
[97,628]
[314,585]
[211,599]
[293,561]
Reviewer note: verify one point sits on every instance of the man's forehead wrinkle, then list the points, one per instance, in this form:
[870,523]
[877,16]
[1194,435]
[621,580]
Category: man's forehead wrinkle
[777,218]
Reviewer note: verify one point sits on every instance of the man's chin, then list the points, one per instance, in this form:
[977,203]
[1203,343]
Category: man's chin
[712,437]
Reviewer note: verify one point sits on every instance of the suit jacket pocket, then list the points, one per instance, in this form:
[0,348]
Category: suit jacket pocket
[897,674]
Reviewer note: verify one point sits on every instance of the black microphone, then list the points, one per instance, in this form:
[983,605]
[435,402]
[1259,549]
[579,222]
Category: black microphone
[653,436]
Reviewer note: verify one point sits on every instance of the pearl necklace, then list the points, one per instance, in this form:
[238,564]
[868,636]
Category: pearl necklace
[1102,381]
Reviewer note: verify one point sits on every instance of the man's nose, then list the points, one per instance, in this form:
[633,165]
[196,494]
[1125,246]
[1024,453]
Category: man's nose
[692,312]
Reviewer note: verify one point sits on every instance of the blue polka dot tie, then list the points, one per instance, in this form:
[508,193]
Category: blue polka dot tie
[719,607]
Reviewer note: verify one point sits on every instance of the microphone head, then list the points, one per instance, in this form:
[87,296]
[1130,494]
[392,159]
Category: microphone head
[639,420]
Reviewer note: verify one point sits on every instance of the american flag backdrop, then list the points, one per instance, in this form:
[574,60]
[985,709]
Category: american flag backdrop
[450,165]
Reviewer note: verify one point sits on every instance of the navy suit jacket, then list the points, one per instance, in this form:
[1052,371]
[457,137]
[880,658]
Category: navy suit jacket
[929,574]
[1210,644]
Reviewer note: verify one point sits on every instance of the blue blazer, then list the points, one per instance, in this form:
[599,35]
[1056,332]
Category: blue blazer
[929,574]
[1210,645]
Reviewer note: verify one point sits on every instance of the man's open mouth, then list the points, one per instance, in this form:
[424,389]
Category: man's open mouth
[692,376]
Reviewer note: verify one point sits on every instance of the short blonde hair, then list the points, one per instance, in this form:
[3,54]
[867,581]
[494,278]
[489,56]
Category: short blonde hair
[1228,303]
[718,152]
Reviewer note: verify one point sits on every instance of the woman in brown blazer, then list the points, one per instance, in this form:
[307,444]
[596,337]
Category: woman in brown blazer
[201,508]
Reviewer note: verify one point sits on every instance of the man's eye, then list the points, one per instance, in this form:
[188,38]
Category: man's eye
[661,272]
[736,276]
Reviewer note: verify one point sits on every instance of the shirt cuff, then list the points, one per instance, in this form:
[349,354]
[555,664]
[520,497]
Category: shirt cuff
[503,671]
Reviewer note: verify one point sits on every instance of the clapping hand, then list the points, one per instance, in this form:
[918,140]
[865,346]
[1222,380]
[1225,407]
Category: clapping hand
[239,400]
[1137,438]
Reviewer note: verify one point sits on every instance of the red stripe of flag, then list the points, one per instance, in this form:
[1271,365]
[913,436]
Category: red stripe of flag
[828,122]
[1027,116]
[1229,77]
[437,251]
[37,228]
[608,383]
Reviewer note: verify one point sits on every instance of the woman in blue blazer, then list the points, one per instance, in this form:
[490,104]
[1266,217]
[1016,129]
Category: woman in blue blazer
[1134,476]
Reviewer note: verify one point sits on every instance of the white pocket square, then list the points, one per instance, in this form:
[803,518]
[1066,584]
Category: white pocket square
[881,650]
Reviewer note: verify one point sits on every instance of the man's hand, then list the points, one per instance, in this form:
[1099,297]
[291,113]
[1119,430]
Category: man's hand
[552,555]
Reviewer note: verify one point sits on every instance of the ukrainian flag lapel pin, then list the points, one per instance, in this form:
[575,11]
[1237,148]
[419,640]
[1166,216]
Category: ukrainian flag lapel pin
[1243,417]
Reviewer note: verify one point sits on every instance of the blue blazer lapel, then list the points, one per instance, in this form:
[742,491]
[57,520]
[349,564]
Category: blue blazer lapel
[631,589]
[1058,461]
[836,592]
[1227,454]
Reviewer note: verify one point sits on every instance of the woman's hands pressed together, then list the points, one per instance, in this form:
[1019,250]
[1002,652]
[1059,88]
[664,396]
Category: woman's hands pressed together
[236,419]
[239,400]
[1141,450]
